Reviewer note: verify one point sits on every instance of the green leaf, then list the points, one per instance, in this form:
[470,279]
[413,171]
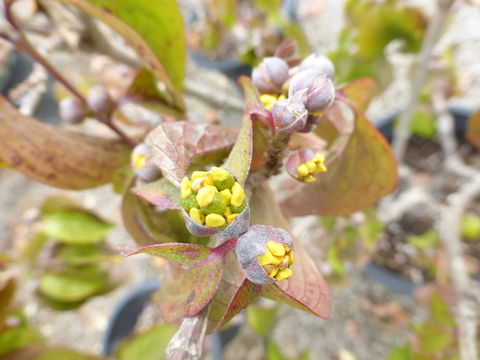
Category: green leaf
[261,319]
[440,312]
[359,91]
[425,241]
[72,285]
[473,129]
[154,31]
[150,345]
[361,169]
[400,353]
[17,337]
[65,354]
[175,145]
[274,352]
[7,291]
[75,227]
[241,155]
[57,156]
[84,255]
[470,227]
[423,124]
[161,193]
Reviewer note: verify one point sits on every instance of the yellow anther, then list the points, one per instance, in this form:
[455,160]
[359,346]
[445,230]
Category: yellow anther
[205,195]
[208,180]
[238,195]
[219,174]
[227,194]
[302,170]
[321,168]
[138,161]
[273,272]
[284,263]
[268,100]
[319,158]
[231,218]
[197,216]
[214,220]
[227,211]
[284,274]
[268,259]
[198,174]
[281,97]
[185,188]
[309,179]
[311,166]
[317,114]
[291,258]
[276,248]
[197,183]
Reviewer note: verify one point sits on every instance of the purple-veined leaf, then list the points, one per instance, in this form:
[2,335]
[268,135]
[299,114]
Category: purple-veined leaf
[175,145]
[361,169]
[57,156]
[184,254]
[161,193]
[359,91]
[473,129]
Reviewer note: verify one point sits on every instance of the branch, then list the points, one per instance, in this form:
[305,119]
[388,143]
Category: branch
[435,27]
[449,230]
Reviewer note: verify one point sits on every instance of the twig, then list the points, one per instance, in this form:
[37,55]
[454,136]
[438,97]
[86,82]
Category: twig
[402,132]
[449,230]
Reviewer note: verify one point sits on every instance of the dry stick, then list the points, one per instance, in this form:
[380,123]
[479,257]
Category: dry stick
[449,230]
[402,132]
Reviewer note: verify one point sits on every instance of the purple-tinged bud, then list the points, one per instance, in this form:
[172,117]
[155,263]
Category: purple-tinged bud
[265,254]
[320,91]
[289,115]
[72,110]
[99,100]
[270,75]
[312,122]
[141,163]
[304,165]
[319,62]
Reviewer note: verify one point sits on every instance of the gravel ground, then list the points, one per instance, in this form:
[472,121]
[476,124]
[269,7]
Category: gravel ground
[359,323]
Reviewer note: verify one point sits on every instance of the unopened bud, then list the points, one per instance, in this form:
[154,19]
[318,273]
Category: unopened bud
[320,63]
[320,91]
[270,75]
[99,100]
[72,110]
[141,163]
[289,115]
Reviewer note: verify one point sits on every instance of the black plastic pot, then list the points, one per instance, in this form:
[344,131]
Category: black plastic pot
[378,273]
[234,68]
[126,313]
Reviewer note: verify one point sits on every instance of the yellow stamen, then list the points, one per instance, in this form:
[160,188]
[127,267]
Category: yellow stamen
[219,174]
[284,274]
[227,194]
[276,248]
[197,216]
[273,272]
[238,195]
[268,259]
[309,179]
[319,158]
[227,211]
[214,220]
[139,161]
[321,168]
[302,170]
[291,258]
[268,100]
[311,166]
[208,180]
[198,174]
[231,218]
[185,188]
[205,195]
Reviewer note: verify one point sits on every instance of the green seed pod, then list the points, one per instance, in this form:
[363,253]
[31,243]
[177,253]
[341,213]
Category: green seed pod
[217,206]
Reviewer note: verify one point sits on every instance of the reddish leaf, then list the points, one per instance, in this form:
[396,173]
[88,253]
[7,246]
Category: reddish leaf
[136,22]
[185,254]
[175,145]
[359,91]
[161,193]
[185,292]
[361,170]
[56,156]
[241,155]
[306,289]
[473,129]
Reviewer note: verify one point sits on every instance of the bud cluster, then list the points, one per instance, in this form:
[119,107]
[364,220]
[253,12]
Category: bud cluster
[276,260]
[305,164]
[213,199]
[295,95]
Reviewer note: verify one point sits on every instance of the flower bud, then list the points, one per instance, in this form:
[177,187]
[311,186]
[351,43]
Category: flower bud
[141,163]
[214,204]
[305,164]
[99,100]
[289,115]
[320,63]
[320,91]
[265,254]
[312,122]
[72,110]
[270,75]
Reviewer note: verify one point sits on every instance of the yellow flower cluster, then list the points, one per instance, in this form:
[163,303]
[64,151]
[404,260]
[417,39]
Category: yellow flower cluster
[307,171]
[277,260]
[212,198]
